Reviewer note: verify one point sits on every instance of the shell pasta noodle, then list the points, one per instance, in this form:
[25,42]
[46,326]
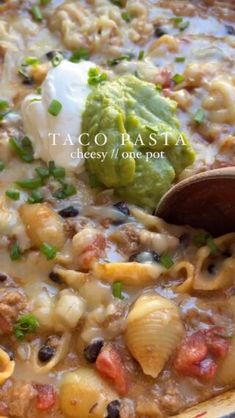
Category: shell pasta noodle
[106,309]
[7,366]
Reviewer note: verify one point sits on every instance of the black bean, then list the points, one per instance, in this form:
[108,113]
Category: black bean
[158,32]
[145,257]
[122,207]
[9,351]
[3,277]
[211,268]
[227,254]
[55,277]
[46,353]
[92,350]
[52,54]
[28,81]
[185,240]
[230,30]
[113,409]
[69,212]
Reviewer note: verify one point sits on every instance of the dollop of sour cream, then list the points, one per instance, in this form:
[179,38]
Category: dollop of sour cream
[56,137]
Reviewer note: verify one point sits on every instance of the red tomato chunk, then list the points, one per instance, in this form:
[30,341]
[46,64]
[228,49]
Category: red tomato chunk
[46,396]
[110,365]
[199,351]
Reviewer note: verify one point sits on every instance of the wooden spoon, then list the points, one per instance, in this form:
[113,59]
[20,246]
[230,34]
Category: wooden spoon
[205,200]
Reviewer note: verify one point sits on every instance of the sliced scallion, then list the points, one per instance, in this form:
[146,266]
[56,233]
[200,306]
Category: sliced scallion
[13,194]
[48,250]
[55,108]
[42,172]
[178,78]
[115,61]
[2,166]
[29,184]
[22,148]
[179,59]
[15,252]
[56,60]
[117,290]
[166,260]
[141,55]
[95,76]
[59,173]
[126,16]
[79,55]
[199,116]
[36,12]
[31,61]
[36,197]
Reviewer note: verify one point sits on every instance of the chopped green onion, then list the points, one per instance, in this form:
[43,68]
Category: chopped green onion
[65,191]
[212,245]
[95,76]
[36,12]
[126,16]
[22,148]
[141,55]
[166,260]
[117,290]
[56,60]
[199,116]
[27,79]
[31,61]
[55,108]
[29,184]
[39,90]
[48,250]
[44,2]
[116,2]
[36,197]
[42,172]
[201,239]
[15,253]
[51,166]
[178,78]
[2,166]
[59,173]
[179,59]
[158,87]
[115,61]
[177,20]
[3,104]
[79,55]
[180,23]
[184,25]
[13,194]
[25,324]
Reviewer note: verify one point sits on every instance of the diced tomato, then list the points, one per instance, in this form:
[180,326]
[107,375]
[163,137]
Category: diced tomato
[206,369]
[5,325]
[92,252]
[196,356]
[217,345]
[110,365]
[46,396]
[191,353]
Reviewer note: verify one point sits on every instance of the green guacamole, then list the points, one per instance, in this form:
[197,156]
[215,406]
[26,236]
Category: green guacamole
[129,111]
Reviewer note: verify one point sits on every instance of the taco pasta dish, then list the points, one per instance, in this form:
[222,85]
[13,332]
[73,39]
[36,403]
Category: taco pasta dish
[106,310]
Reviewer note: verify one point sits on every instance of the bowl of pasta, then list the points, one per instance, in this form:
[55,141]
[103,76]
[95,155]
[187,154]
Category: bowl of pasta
[107,310]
